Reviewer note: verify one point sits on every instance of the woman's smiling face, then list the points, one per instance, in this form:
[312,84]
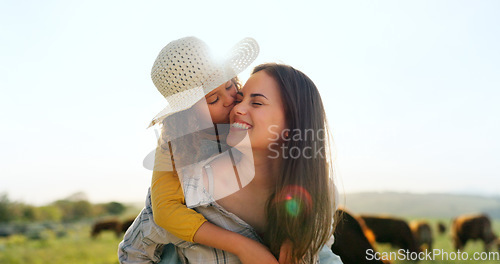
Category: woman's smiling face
[259,111]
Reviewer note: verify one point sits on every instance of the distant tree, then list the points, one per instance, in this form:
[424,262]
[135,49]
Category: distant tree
[82,209]
[50,213]
[16,211]
[99,209]
[115,208]
[72,210]
[5,215]
[66,209]
[78,196]
[30,213]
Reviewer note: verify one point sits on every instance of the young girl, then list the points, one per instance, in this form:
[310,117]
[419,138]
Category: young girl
[186,74]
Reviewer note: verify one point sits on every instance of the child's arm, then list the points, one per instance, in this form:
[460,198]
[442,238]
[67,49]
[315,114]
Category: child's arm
[171,213]
[167,198]
[169,209]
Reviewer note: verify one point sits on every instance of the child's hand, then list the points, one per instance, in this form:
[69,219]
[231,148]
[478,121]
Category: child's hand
[256,253]
[286,253]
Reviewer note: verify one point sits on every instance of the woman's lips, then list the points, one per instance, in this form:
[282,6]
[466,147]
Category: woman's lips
[241,125]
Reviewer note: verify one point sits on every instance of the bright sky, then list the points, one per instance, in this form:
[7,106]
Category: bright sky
[411,88]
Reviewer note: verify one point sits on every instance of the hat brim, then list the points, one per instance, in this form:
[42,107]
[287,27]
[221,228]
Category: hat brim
[190,97]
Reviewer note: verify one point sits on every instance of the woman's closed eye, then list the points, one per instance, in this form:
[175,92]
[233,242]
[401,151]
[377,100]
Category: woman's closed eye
[255,104]
[258,99]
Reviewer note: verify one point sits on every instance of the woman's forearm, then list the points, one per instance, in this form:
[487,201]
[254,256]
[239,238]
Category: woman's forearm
[217,237]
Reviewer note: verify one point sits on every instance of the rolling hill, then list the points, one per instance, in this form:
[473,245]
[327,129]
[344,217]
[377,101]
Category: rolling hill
[431,205]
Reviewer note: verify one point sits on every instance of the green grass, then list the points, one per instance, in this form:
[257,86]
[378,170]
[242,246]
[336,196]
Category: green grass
[76,247]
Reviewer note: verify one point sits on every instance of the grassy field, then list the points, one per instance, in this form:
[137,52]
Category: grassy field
[75,246]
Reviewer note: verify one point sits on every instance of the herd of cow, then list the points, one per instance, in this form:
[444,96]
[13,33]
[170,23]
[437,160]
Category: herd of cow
[357,235]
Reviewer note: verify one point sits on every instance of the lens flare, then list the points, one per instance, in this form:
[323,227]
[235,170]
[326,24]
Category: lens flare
[293,207]
[295,199]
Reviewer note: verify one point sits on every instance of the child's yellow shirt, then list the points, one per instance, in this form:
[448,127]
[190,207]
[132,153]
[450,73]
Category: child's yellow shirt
[167,198]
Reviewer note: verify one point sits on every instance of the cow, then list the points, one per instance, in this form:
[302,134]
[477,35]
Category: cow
[473,227]
[353,240]
[422,233]
[392,230]
[112,225]
[441,228]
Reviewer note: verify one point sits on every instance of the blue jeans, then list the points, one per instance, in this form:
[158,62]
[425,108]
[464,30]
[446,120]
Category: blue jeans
[169,255]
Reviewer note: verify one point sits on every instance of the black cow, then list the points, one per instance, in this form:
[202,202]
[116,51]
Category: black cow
[353,240]
[392,230]
[422,233]
[473,227]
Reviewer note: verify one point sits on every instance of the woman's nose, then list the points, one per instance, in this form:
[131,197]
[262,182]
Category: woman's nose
[239,109]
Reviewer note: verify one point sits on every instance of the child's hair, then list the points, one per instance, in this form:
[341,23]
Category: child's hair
[301,208]
[186,147]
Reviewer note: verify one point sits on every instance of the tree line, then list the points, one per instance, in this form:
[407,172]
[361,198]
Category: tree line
[58,211]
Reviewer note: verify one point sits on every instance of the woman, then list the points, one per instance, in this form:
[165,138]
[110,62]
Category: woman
[290,200]
[291,196]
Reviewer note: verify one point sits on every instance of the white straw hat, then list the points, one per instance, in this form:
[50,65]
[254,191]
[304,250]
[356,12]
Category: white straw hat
[185,71]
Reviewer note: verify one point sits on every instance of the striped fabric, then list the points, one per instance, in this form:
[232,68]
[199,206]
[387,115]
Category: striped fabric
[144,241]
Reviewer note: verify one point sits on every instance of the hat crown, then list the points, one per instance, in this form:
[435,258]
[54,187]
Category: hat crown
[185,71]
[185,64]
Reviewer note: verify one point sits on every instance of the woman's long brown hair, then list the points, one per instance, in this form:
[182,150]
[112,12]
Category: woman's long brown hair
[301,208]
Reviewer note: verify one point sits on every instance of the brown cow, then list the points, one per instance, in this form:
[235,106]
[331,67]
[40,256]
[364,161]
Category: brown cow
[112,225]
[422,233]
[353,240]
[392,230]
[472,227]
